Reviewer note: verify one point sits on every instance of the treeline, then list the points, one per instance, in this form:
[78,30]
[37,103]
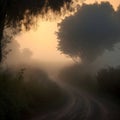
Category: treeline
[20,98]
[106,80]
[109,81]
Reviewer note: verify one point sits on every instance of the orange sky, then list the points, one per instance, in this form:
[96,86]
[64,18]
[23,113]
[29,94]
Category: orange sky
[115,3]
[43,42]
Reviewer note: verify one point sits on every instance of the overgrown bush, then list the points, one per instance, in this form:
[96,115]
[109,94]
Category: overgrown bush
[109,80]
[20,99]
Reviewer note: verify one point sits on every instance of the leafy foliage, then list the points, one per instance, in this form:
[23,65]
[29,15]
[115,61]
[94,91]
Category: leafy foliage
[109,80]
[23,12]
[20,99]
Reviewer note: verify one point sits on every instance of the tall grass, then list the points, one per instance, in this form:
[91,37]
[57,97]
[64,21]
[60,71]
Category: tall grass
[19,98]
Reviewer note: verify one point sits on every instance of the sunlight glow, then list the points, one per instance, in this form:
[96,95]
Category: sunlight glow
[115,3]
[43,41]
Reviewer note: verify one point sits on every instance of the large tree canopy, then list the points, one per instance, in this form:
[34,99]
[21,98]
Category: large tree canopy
[89,32]
[16,10]
[15,13]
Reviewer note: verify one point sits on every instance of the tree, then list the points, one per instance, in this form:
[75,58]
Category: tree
[92,30]
[15,13]
[109,80]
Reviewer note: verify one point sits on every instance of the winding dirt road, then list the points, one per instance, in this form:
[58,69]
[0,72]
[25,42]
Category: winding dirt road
[83,106]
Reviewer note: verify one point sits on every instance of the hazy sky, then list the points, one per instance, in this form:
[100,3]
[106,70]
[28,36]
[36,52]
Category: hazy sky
[43,41]
[115,3]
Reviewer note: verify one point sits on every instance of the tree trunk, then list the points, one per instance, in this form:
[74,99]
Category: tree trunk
[3,4]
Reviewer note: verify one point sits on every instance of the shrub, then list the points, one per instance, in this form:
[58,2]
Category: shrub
[109,80]
[20,98]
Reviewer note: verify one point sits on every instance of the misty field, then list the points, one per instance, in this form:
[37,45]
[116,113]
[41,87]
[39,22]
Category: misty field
[28,93]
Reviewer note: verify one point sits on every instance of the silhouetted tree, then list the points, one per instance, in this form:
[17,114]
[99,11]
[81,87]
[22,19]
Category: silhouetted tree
[93,29]
[21,98]
[109,80]
[15,13]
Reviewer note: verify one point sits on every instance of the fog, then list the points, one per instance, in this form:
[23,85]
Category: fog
[82,85]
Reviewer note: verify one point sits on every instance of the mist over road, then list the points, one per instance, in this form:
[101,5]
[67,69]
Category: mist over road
[81,105]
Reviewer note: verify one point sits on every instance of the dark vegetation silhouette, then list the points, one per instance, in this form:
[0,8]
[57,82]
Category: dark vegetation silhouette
[25,92]
[93,29]
[105,82]
[17,97]
[21,98]
[18,13]
[109,81]
[85,36]
[28,91]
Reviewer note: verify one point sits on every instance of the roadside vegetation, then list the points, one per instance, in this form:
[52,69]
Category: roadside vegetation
[106,81]
[20,98]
